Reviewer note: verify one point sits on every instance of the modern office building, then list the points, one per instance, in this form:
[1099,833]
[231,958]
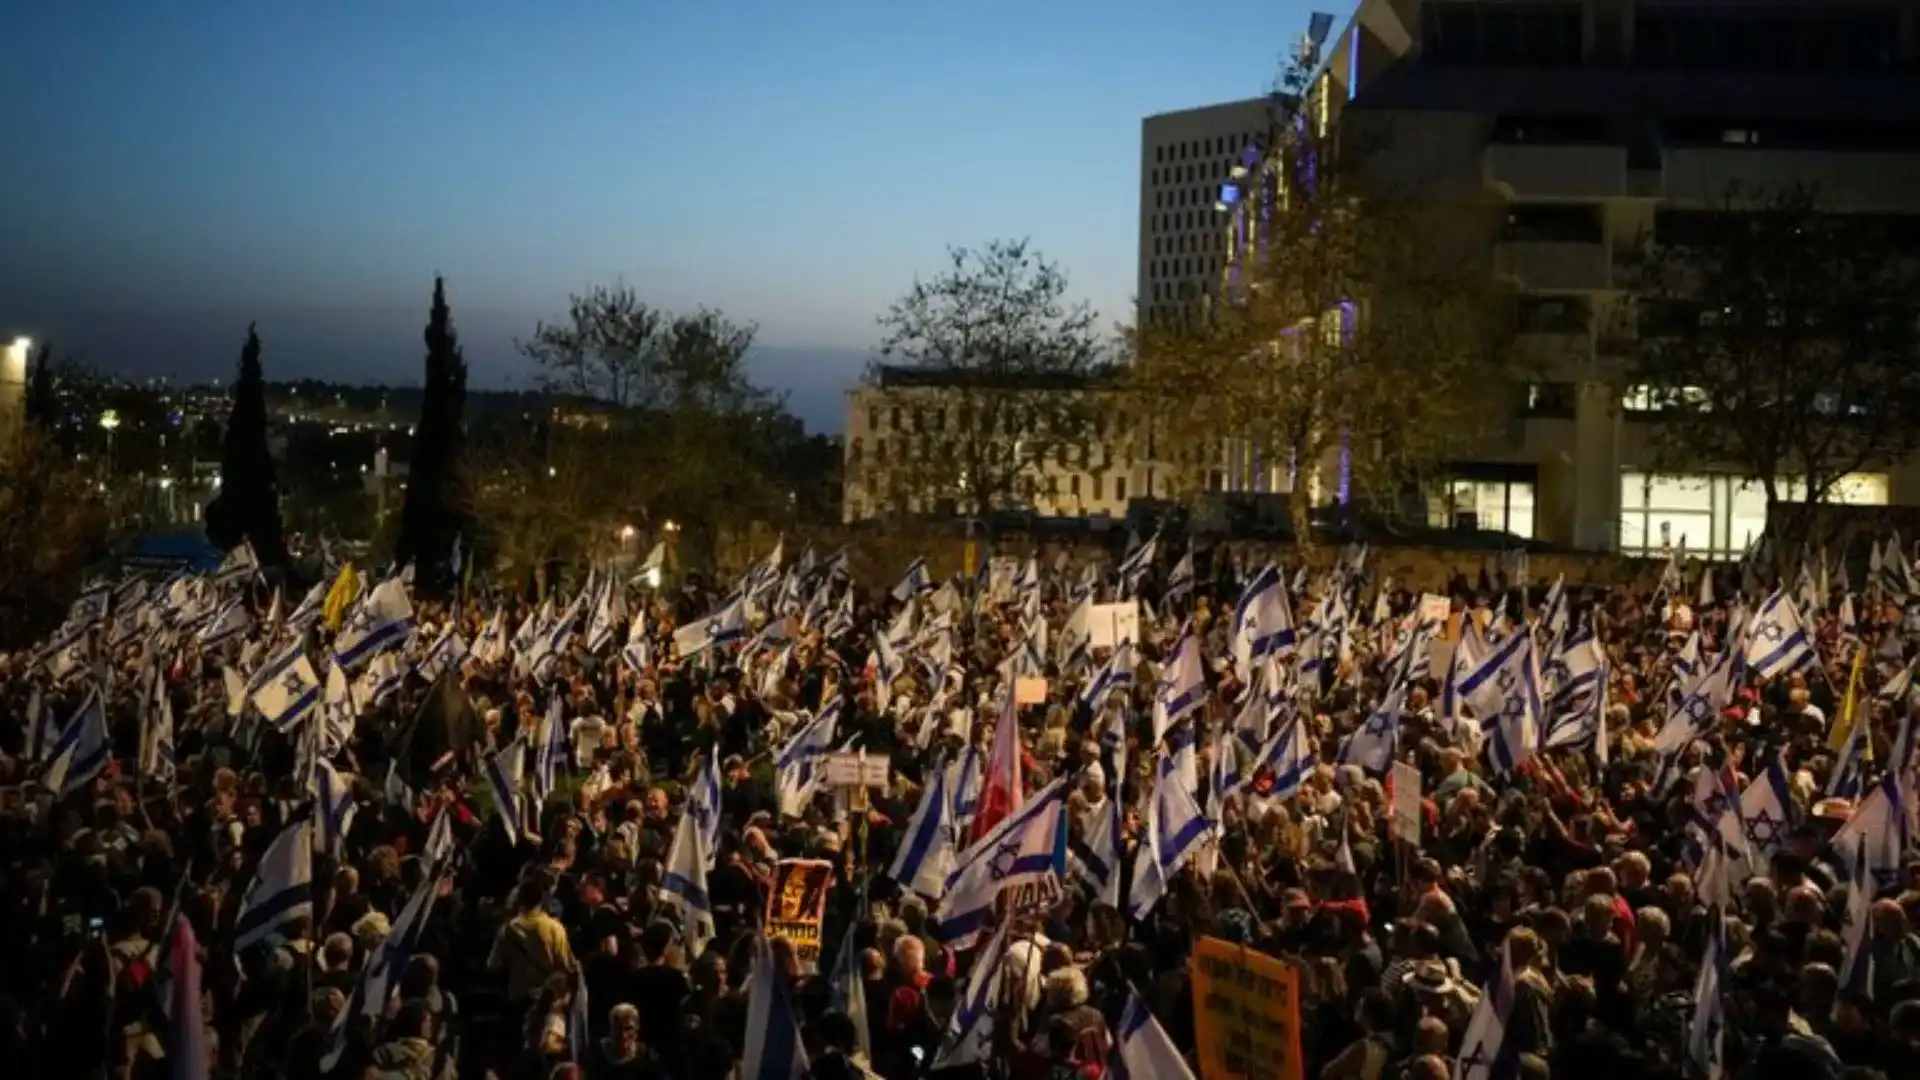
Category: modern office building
[1184,158]
[1599,122]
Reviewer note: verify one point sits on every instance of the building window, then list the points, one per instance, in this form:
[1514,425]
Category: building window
[1716,515]
[1073,485]
[1493,505]
[1099,487]
[1120,489]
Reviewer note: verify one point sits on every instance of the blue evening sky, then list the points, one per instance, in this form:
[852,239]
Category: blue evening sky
[174,168]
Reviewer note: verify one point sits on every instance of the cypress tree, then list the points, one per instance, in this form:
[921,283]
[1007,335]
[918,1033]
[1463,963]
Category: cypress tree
[431,519]
[248,506]
[40,400]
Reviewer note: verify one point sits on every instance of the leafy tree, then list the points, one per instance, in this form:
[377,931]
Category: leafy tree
[248,506]
[1353,315]
[1779,339]
[56,519]
[431,519]
[655,415]
[1007,365]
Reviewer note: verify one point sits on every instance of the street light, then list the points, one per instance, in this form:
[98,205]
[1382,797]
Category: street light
[109,420]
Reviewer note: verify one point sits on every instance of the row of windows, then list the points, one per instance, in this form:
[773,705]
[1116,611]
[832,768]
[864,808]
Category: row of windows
[1715,515]
[1188,244]
[1192,173]
[1184,219]
[1164,200]
[1194,149]
[1536,33]
[1184,268]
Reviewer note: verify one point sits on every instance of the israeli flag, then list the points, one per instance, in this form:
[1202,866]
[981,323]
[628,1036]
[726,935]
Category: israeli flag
[969,1035]
[1287,758]
[382,621]
[82,751]
[286,688]
[1376,743]
[1857,925]
[157,756]
[446,653]
[1504,691]
[1777,641]
[773,1050]
[506,778]
[723,627]
[926,853]
[1097,859]
[1184,687]
[685,886]
[915,582]
[1138,562]
[333,806]
[380,976]
[231,623]
[549,749]
[1175,827]
[282,888]
[1262,622]
[703,805]
[1481,1047]
[1029,845]
[1142,1049]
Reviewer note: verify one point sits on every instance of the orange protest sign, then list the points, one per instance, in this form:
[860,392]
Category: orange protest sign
[1246,1013]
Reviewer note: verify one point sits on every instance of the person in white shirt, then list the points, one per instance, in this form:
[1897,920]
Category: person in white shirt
[589,733]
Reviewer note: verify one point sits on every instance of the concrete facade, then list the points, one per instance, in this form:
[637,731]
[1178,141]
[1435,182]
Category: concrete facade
[1589,118]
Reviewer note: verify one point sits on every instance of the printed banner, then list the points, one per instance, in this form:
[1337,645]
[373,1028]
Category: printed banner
[1246,1013]
[797,905]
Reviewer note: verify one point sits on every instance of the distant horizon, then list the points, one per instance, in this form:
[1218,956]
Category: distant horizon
[796,167]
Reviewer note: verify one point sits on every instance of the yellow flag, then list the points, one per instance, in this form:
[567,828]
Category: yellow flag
[346,589]
[1843,730]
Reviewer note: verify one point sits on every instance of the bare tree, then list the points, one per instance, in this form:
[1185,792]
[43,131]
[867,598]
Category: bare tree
[1003,364]
[1778,337]
[1355,315]
[653,418]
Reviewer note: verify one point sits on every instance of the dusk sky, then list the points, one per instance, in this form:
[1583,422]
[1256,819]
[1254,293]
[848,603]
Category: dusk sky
[174,170]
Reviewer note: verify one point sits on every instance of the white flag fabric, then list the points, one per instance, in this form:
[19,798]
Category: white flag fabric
[282,887]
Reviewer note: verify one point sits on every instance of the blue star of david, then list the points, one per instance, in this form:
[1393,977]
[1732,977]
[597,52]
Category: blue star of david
[1377,724]
[361,622]
[699,812]
[1716,804]
[1478,1058]
[1763,829]
[1506,680]
[1513,708]
[293,684]
[1004,858]
[1698,711]
[1773,632]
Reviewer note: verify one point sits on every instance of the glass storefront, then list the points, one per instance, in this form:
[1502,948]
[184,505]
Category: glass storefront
[1716,516]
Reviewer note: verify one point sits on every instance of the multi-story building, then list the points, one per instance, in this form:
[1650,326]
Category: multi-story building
[910,433]
[1601,123]
[1184,159]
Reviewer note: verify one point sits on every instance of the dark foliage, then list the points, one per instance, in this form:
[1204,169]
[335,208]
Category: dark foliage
[248,506]
[433,517]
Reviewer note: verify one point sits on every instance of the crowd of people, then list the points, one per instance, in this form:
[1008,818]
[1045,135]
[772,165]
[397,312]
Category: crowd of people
[797,825]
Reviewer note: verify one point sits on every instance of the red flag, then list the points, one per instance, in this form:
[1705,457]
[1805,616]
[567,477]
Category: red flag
[1000,792]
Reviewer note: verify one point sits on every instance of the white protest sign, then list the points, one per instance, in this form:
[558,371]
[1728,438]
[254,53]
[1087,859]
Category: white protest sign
[1406,803]
[1001,572]
[1434,608]
[1110,624]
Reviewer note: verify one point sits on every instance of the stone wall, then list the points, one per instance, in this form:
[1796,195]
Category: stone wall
[881,555]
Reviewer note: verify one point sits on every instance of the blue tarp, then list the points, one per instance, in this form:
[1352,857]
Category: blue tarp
[170,552]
